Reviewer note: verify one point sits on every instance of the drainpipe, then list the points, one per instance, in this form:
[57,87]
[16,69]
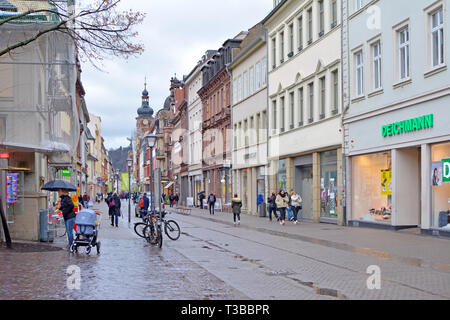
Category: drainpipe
[231,127]
[344,111]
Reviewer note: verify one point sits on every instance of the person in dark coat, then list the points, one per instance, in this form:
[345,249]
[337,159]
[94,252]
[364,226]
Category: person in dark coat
[69,215]
[113,202]
[272,206]
[236,204]
[212,202]
[201,197]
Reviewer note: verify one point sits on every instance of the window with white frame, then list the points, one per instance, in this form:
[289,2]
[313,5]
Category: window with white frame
[335,78]
[282,115]
[322,97]
[258,75]
[376,64]
[282,47]
[264,71]
[437,38]
[291,110]
[310,26]
[274,114]
[252,81]
[300,33]
[321,18]
[239,88]
[235,87]
[311,102]
[334,13]
[245,79]
[358,4]
[403,47]
[359,73]
[274,52]
[291,39]
[301,102]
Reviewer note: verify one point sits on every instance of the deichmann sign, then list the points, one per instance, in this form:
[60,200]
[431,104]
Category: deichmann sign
[411,125]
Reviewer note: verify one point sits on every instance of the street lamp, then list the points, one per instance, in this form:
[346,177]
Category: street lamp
[151,141]
[130,163]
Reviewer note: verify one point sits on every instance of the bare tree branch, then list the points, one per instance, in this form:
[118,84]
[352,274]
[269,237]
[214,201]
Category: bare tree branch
[98,30]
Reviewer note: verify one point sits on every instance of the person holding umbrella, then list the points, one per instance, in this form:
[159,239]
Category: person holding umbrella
[69,215]
[66,204]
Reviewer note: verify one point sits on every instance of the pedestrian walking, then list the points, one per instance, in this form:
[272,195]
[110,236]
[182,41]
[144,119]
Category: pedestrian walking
[145,201]
[296,202]
[113,202]
[85,201]
[66,207]
[289,208]
[171,200]
[272,206]
[201,197]
[282,202]
[211,202]
[236,204]
[176,198]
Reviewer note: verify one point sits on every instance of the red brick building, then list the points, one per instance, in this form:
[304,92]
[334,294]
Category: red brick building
[216,130]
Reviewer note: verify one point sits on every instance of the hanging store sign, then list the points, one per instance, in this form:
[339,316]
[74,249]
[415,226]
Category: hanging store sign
[417,124]
[445,170]
[66,173]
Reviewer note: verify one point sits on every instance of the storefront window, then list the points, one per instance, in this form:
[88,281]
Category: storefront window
[440,181]
[372,188]
[328,184]
[244,181]
[281,177]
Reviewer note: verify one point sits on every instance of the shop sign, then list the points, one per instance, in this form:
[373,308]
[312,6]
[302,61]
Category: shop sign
[411,125]
[445,170]
[386,182]
[66,173]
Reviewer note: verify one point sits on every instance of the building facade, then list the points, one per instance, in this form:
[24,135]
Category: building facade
[249,120]
[398,120]
[216,127]
[304,102]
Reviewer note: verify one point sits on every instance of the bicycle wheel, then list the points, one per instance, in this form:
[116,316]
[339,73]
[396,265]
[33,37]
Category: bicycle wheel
[149,234]
[172,230]
[139,229]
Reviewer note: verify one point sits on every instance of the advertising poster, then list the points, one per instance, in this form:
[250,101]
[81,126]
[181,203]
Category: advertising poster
[436,173]
[446,170]
[12,187]
[386,182]
[125,186]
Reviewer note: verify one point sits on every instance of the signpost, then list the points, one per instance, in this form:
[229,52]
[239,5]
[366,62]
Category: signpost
[445,170]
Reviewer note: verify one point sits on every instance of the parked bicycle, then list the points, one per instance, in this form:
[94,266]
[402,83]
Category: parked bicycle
[171,227]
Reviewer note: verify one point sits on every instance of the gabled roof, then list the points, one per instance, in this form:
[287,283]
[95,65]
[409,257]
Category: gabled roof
[7,6]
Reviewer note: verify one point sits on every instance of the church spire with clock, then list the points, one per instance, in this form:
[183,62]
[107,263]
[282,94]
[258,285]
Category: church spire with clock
[145,112]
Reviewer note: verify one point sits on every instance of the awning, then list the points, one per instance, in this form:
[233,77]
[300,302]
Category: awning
[169,185]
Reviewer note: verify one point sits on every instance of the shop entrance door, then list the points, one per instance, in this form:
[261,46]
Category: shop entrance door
[304,186]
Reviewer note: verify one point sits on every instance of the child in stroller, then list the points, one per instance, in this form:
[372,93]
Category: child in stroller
[87,231]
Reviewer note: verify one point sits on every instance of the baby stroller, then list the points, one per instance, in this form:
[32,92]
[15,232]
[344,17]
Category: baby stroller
[87,231]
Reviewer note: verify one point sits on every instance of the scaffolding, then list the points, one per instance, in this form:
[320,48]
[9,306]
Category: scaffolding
[37,91]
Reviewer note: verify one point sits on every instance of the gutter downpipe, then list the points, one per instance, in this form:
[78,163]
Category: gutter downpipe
[231,126]
[344,111]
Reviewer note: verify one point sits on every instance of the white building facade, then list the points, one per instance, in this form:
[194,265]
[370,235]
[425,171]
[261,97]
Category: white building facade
[304,105]
[397,126]
[249,121]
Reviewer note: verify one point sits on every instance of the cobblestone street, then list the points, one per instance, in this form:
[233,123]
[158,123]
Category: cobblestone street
[215,260]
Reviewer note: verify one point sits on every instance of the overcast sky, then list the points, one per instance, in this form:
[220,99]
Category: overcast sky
[176,33]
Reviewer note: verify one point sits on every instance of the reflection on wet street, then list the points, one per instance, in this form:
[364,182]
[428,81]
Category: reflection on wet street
[127,268]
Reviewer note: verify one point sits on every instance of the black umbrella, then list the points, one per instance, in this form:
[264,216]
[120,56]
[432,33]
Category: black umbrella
[200,193]
[56,185]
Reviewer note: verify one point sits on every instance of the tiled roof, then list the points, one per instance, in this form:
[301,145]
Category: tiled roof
[26,5]
[5,5]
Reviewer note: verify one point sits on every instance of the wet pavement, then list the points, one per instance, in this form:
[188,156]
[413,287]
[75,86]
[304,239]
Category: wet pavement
[215,260]
[127,269]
